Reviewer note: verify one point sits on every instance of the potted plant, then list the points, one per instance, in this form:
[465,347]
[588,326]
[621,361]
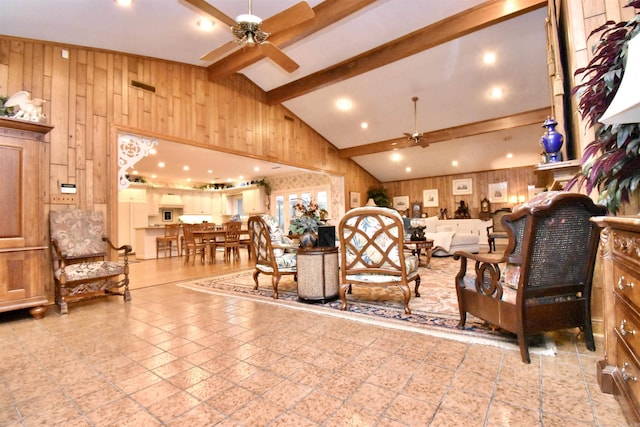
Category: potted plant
[380,195]
[306,222]
[611,162]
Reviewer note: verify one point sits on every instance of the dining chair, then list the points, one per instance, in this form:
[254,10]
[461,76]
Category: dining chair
[496,230]
[193,247]
[231,242]
[210,240]
[171,233]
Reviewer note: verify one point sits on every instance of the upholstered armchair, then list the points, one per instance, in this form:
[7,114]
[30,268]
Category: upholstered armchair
[372,253]
[542,282]
[80,257]
[270,260]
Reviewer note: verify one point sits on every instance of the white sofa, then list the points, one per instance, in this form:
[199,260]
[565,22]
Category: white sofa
[451,235]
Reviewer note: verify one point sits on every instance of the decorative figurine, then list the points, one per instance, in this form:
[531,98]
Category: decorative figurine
[29,109]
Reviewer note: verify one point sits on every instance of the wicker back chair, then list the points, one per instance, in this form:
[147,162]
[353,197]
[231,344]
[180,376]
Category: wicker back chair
[372,252]
[269,260]
[542,282]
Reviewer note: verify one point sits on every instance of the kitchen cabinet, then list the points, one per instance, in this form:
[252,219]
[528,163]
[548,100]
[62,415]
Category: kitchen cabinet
[133,195]
[153,203]
[23,229]
[253,201]
[197,203]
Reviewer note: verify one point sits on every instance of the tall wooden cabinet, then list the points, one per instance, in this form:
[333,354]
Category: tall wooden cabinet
[619,372]
[23,233]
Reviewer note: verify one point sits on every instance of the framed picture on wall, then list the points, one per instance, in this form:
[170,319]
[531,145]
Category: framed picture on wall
[498,192]
[354,199]
[462,186]
[430,198]
[167,216]
[401,203]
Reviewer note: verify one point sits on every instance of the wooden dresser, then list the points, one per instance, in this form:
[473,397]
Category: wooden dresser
[23,231]
[619,373]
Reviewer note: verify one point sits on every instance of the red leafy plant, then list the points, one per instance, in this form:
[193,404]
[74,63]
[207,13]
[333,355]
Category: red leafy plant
[611,162]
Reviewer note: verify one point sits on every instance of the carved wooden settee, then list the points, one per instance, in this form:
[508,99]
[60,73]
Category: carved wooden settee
[80,257]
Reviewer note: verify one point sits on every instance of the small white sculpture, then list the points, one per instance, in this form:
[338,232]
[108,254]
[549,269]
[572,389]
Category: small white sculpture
[30,109]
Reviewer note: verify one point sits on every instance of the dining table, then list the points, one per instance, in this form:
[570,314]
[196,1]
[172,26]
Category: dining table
[212,234]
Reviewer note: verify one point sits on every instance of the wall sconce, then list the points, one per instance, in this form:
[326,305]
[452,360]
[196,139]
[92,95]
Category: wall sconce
[517,199]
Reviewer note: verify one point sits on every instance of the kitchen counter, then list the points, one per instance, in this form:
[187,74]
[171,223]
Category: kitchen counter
[146,241]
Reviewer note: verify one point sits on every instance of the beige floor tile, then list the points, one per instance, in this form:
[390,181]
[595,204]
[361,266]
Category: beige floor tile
[466,403]
[201,415]
[411,411]
[229,400]
[373,398]
[173,406]
[317,406]
[450,418]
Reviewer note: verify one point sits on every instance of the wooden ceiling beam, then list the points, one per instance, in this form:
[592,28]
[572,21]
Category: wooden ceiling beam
[326,13]
[493,125]
[461,24]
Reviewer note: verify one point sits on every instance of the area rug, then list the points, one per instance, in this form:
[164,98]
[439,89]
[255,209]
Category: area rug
[434,313]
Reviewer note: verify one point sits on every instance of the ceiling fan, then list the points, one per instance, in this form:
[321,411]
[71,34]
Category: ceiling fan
[251,31]
[416,136]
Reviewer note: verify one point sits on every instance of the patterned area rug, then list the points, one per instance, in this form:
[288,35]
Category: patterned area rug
[435,312]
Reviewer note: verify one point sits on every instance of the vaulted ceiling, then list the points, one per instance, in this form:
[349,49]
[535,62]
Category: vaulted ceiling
[377,55]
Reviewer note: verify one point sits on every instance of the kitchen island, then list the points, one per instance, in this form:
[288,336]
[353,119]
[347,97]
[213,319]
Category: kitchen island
[146,242]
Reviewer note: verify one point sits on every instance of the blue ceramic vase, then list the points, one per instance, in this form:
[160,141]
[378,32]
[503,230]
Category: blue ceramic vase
[552,141]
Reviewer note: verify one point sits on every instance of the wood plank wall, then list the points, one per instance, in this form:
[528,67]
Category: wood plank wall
[90,97]
[517,180]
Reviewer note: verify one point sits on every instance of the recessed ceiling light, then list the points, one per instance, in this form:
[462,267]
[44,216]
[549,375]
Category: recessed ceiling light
[152,151]
[229,180]
[241,177]
[123,2]
[135,172]
[509,156]
[407,169]
[489,58]
[209,171]
[256,169]
[496,93]
[161,164]
[343,104]
[364,125]
[205,24]
[188,179]
[185,168]
[154,176]
[396,157]
[454,163]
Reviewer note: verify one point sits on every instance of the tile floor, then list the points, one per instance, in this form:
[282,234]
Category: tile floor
[177,357]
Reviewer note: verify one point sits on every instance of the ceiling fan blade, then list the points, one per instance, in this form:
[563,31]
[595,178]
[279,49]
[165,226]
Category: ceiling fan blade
[210,10]
[218,53]
[291,17]
[279,57]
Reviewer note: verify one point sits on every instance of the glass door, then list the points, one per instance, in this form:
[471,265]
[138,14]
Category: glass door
[284,202]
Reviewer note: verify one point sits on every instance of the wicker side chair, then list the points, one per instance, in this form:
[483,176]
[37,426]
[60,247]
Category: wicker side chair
[81,265]
[542,282]
[269,260]
[372,253]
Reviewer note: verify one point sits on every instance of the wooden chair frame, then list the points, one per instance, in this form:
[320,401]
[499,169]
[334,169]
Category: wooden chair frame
[549,260]
[372,253]
[80,257]
[266,261]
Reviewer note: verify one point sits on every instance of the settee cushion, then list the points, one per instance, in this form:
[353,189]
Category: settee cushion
[90,270]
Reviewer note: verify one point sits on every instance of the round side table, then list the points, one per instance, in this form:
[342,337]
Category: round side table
[318,274]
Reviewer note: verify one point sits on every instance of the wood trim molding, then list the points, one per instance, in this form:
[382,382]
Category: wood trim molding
[471,129]
[461,24]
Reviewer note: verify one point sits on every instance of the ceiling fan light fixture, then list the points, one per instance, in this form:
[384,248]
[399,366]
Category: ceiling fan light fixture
[248,19]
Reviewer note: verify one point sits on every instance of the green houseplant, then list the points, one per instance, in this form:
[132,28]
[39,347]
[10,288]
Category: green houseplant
[380,195]
[611,162]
